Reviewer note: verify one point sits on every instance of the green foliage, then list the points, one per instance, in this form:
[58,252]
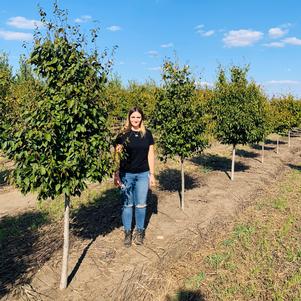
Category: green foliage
[6,80]
[240,108]
[178,118]
[122,98]
[143,95]
[64,140]
[286,112]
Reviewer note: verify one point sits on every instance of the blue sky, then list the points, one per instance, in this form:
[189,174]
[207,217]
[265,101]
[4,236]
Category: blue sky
[263,33]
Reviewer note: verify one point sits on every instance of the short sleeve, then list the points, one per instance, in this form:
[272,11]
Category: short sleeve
[118,140]
[151,138]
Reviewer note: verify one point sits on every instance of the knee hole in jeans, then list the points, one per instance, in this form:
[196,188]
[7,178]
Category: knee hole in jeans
[141,206]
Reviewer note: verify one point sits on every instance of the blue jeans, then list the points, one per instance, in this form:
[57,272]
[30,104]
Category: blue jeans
[134,193]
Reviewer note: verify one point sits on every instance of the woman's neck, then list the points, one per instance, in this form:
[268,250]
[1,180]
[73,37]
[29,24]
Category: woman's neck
[135,129]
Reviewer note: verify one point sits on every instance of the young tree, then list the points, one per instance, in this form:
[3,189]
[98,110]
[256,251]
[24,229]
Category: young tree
[6,81]
[177,118]
[65,140]
[267,125]
[286,115]
[238,110]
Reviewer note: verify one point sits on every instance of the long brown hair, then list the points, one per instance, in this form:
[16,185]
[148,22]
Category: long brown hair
[128,127]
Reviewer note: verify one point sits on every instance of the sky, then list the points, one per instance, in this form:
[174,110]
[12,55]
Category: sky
[266,34]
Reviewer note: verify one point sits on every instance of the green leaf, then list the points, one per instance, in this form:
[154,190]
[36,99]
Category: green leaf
[48,137]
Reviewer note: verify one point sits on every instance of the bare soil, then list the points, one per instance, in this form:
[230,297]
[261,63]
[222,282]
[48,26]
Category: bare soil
[101,268]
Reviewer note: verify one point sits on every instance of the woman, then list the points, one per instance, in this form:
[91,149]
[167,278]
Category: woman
[135,150]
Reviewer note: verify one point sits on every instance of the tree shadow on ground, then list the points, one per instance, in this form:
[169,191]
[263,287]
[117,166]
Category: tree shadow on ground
[246,154]
[184,295]
[101,218]
[104,215]
[4,175]
[296,167]
[259,147]
[22,248]
[211,162]
[269,141]
[170,180]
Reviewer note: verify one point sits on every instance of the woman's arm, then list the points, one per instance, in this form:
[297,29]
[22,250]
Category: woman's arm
[117,152]
[151,163]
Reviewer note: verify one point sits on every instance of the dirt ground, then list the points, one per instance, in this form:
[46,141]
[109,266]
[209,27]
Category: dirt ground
[102,269]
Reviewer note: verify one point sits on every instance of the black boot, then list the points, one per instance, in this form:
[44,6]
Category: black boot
[127,238]
[139,237]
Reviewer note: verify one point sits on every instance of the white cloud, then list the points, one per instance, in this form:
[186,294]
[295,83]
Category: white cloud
[207,33]
[275,44]
[23,23]
[277,32]
[292,41]
[283,82]
[168,45]
[153,53]
[241,38]
[200,30]
[83,19]
[154,68]
[114,28]
[15,36]
[198,27]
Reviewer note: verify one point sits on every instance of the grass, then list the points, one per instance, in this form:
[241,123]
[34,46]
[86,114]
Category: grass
[47,211]
[55,208]
[15,226]
[260,259]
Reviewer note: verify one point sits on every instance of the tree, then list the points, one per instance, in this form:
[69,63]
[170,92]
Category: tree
[238,110]
[6,80]
[286,115]
[178,118]
[65,140]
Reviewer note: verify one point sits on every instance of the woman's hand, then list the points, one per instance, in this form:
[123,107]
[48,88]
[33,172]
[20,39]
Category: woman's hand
[152,180]
[117,181]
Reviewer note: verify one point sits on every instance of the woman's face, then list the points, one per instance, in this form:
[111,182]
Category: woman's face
[135,119]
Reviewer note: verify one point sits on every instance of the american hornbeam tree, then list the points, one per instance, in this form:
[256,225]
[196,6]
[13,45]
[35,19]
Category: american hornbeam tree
[178,118]
[65,139]
[285,116]
[267,124]
[6,81]
[24,94]
[238,109]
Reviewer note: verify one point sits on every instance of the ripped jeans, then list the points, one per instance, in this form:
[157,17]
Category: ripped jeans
[134,193]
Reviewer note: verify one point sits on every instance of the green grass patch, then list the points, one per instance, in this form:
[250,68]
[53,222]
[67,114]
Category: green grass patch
[55,208]
[261,258]
[17,226]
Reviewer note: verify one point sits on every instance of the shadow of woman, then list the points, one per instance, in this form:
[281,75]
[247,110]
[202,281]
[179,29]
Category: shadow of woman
[102,217]
[185,295]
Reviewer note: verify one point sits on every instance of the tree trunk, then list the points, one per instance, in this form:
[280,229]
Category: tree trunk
[183,184]
[233,162]
[289,138]
[64,274]
[277,149]
[262,151]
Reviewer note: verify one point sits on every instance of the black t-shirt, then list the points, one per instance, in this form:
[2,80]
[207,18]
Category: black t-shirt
[134,156]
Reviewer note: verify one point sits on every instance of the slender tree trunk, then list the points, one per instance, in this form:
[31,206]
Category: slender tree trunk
[289,138]
[233,162]
[183,184]
[262,151]
[64,274]
[277,149]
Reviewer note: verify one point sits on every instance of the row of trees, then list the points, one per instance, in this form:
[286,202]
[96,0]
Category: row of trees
[57,113]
